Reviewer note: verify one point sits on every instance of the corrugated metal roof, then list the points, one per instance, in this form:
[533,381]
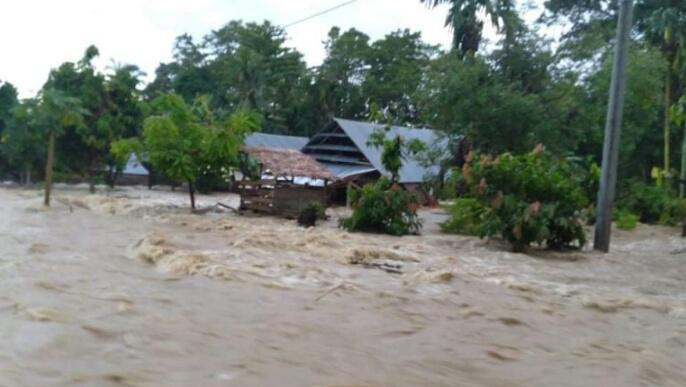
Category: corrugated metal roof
[134,167]
[347,170]
[275,141]
[412,171]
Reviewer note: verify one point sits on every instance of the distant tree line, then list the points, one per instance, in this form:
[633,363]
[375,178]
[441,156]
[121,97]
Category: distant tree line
[520,92]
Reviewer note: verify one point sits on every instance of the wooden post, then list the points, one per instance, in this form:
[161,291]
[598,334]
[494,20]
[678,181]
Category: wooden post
[613,126]
[682,177]
[48,168]
[347,194]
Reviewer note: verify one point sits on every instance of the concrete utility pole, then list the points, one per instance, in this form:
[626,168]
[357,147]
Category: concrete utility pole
[613,126]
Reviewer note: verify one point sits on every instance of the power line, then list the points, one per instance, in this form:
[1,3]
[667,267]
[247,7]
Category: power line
[324,12]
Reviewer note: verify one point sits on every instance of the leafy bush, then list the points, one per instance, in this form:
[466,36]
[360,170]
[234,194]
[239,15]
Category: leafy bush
[653,204]
[383,207]
[309,215]
[675,213]
[446,189]
[626,221]
[465,217]
[530,198]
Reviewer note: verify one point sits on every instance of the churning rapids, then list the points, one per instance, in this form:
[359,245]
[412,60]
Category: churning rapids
[126,288]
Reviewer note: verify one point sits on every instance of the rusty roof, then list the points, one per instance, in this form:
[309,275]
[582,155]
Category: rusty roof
[289,163]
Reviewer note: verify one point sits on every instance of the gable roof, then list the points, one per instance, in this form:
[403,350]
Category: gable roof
[358,133]
[275,141]
[134,167]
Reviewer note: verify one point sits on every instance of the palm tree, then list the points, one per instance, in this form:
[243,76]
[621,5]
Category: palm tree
[664,24]
[57,112]
[467,28]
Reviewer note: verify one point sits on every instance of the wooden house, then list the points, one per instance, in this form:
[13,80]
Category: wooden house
[290,180]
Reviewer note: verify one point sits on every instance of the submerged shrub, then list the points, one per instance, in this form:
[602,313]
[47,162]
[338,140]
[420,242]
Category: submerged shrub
[383,207]
[309,215]
[465,217]
[653,204]
[527,199]
[626,221]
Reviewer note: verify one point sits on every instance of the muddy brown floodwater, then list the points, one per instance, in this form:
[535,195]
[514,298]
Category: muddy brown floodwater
[126,288]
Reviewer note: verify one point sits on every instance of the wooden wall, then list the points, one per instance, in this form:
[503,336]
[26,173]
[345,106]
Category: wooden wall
[289,200]
[282,199]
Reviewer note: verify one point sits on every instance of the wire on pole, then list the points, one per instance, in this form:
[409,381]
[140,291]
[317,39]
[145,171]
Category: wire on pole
[324,12]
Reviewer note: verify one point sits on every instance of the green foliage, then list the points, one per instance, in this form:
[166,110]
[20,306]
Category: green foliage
[521,92]
[173,139]
[394,150]
[309,215]
[22,143]
[396,65]
[530,198]
[121,151]
[222,143]
[8,100]
[383,207]
[626,221]
[466,217]
[465,21]
[185,143]
[653,204]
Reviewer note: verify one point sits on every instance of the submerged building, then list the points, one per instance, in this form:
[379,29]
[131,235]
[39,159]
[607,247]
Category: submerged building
[342,147]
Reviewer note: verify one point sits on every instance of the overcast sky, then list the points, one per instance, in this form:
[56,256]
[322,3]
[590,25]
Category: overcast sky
[38,35]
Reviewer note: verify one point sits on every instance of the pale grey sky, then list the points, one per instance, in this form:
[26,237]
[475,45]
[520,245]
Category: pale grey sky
[38,35]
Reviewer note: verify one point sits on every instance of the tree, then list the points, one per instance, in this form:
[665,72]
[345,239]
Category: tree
[659,23]
[8,100]
[469,98]
[125,114]
[173,141]
[664,24]
[113,106]
[241,66]
[463,19]
[57,113]
[185,143]
[396,67]
[22,144]
[339,80]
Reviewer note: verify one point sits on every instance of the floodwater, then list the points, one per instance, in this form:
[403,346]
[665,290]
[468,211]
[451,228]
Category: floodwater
[126,288]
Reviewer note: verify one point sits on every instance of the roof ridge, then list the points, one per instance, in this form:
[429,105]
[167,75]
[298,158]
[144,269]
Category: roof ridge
[373,123]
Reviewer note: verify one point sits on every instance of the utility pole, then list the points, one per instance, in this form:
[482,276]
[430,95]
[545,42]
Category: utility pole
[613,126]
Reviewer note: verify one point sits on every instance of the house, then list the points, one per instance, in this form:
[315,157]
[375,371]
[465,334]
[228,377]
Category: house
[341,146]
[134,173]
[289,180]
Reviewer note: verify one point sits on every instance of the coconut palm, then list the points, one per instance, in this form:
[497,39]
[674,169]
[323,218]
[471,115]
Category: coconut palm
[463,19]
[57,112]
[664,24]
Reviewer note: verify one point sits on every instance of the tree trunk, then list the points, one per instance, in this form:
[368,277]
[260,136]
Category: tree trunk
[27,174]
[191,191]
[91,182]
[92,172]
[48,168]
[668,101]
[682,178]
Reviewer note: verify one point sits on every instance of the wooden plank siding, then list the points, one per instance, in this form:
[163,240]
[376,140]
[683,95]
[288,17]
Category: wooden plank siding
[279,198]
